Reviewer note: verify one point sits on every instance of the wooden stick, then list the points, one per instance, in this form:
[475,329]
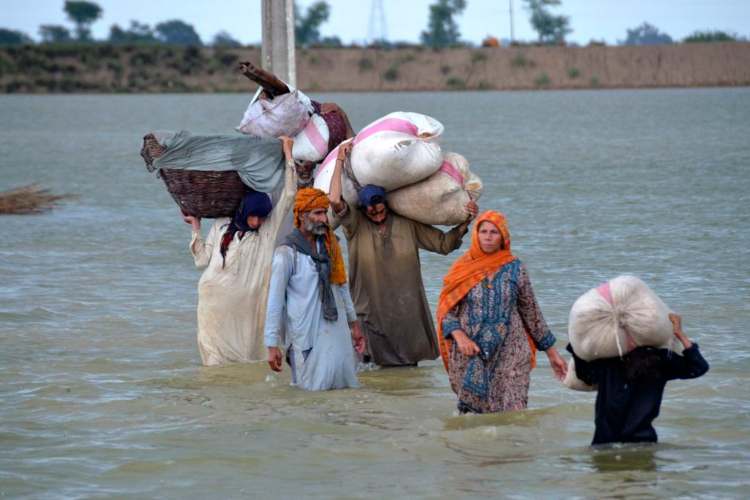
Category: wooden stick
[267,80]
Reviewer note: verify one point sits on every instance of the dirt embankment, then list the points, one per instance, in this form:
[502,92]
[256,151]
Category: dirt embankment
[105,68]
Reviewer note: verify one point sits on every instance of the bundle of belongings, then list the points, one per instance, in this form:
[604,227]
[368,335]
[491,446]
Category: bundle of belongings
[207,175]
[401,153]
[615,318]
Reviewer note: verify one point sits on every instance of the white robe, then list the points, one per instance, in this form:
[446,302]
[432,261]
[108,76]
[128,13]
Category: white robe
[320,351]
[232,299]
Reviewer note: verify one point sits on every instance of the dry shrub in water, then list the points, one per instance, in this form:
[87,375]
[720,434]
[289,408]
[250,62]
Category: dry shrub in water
[31,199]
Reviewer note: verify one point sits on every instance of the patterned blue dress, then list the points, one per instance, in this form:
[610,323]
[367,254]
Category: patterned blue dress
[496,314]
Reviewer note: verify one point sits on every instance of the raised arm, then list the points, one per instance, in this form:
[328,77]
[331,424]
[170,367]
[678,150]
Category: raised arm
[286,200]
[199,248]
[691,364]
[343,213]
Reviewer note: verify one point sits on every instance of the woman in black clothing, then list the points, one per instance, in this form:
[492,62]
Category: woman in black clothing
[630,388]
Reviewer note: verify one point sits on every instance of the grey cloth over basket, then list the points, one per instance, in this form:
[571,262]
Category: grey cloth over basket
[259,162]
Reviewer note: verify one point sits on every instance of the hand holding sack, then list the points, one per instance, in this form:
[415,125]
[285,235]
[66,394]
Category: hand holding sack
[618,316]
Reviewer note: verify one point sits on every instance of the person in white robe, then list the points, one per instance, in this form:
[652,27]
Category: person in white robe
[309,301]
[233,290]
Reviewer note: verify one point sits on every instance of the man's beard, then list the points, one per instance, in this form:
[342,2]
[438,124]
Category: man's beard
[316,228]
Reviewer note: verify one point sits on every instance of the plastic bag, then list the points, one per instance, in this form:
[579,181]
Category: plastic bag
[286,115]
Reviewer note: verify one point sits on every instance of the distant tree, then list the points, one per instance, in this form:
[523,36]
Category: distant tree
[13,37]
[83,14]
[442,29]
[137,33]
[176,32]
[646,34]
[710,36]
[307,26]
[224,39]
[551,29]
[330,41]
[53,33]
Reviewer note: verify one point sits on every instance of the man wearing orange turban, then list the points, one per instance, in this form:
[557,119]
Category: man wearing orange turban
[309,300]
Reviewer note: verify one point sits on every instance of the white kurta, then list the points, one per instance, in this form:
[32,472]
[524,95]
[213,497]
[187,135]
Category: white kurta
[320,351]
[232,299]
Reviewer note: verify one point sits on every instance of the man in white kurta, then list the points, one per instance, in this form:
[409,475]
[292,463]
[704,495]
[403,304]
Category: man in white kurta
[319,347]
[233,289]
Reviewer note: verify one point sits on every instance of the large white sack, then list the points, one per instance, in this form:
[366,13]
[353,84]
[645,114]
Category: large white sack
[571,380]
[390,153]
[311,144]
[286,114]
[618,316]
[441,198]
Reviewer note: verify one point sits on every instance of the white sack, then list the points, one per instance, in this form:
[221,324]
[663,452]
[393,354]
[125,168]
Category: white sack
[441,198]
[311,144]
[286,114]
[571,380]
[390,153]
[618,316]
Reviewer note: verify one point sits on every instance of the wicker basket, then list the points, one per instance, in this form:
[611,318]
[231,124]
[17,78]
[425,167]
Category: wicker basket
[205,193]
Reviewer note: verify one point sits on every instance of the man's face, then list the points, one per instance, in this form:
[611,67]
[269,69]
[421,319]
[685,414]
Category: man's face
[316,221]
[304,170]
[377,213]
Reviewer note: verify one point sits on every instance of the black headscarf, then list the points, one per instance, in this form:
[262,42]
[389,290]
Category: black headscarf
[253,203]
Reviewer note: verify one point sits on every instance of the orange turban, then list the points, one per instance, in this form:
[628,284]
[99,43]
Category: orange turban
[468,270]
[309,199]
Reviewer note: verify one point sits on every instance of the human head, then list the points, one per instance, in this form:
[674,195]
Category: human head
[490,233]
[253,210]
[311,211]
[304,171]
[372,199]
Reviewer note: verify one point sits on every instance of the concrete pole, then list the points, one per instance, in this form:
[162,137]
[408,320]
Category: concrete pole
[277,54]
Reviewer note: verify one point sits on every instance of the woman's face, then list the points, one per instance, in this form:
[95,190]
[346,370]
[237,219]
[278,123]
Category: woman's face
[490,238]
[254,222]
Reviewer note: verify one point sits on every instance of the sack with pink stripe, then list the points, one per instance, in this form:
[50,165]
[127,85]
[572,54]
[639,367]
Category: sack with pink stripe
[442,197]
[311,144]
[618,316]
[397,150]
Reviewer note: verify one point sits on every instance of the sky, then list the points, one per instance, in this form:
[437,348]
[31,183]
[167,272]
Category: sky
[605,20]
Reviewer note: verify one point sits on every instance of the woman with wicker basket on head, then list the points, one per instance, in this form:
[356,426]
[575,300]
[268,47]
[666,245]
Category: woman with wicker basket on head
[233,290]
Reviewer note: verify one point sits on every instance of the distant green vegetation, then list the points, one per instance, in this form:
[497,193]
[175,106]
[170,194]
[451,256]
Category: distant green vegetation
[710,36]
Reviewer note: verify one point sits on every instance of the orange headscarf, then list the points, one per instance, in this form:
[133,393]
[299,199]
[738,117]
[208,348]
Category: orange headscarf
[308,199]
[468,270]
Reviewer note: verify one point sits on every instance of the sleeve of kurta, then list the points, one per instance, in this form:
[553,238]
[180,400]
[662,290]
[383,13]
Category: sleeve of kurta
[281,270]
[451,321]
[433,239]
[531,313]
[286,200]
[690,365]
[348,218]
[346,297]
[203,249]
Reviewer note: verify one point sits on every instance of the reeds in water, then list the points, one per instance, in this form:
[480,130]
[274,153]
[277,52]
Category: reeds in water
[31,199]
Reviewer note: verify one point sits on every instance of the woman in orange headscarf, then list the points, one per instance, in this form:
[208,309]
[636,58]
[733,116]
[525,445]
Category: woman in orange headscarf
[490,325]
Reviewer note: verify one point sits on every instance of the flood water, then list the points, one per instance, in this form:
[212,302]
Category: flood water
[100,380]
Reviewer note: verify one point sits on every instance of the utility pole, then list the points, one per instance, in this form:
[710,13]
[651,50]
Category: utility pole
[277,53]
[512,32]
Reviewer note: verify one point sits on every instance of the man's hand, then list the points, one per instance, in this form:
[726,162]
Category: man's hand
[345,149]
[358,339]
[286,146]
[465,345]
[193,221]
[558,364]
[472,209]
[274,358]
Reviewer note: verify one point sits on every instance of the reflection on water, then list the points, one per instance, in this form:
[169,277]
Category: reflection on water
[99,372]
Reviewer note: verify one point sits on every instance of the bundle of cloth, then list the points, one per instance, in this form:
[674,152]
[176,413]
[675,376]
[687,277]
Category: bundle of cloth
[401,153]
[615,318]
[316,127]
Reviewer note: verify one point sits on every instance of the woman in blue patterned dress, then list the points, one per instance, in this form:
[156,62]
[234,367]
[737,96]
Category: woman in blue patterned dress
[490,324]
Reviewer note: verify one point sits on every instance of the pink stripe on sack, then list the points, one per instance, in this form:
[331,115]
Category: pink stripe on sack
[606,293]
[448,168]
[313,135]
[388,125]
